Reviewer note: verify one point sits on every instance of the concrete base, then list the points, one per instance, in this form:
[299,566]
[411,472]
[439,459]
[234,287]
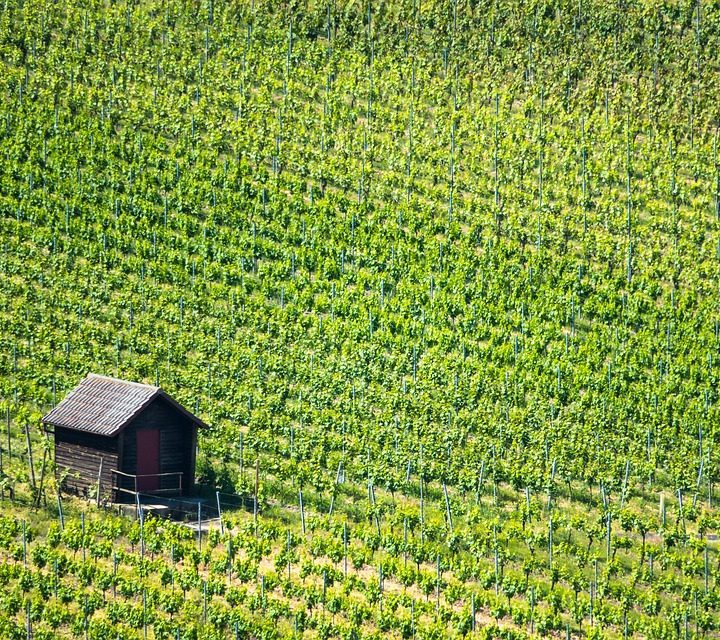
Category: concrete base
[205,525]
[159,510]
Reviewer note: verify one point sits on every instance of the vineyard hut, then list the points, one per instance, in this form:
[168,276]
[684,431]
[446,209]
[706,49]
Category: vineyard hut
[124,438]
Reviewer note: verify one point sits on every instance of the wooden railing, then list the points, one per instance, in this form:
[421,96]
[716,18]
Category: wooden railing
[134,477]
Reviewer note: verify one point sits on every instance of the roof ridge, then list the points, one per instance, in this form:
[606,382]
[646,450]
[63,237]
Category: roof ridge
[127,382]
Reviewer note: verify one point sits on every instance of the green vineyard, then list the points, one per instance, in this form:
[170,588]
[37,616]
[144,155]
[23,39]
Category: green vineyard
[441,276]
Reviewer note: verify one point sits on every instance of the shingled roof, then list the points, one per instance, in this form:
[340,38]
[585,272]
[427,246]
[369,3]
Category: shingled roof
[105,406]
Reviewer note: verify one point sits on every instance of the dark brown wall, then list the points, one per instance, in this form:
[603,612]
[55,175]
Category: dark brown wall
[80,453]
[177,437]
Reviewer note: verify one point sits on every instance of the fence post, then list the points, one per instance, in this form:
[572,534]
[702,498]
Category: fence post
[217,498]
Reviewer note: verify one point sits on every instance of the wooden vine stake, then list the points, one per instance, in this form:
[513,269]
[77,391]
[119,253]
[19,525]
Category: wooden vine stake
[30,456]
[302,510]
[199,521]
[257,489]
[40,495]
[447,508]
[60,510]
[99,481]
[7,425]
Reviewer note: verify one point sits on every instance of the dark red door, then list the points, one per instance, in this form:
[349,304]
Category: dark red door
[148,459]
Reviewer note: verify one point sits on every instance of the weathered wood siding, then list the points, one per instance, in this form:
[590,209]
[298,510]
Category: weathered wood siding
[79,453]
[177,438]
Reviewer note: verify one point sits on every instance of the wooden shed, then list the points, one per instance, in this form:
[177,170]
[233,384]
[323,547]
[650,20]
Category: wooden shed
[128,437]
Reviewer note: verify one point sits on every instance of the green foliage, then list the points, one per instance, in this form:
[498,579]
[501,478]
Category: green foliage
[460,250]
